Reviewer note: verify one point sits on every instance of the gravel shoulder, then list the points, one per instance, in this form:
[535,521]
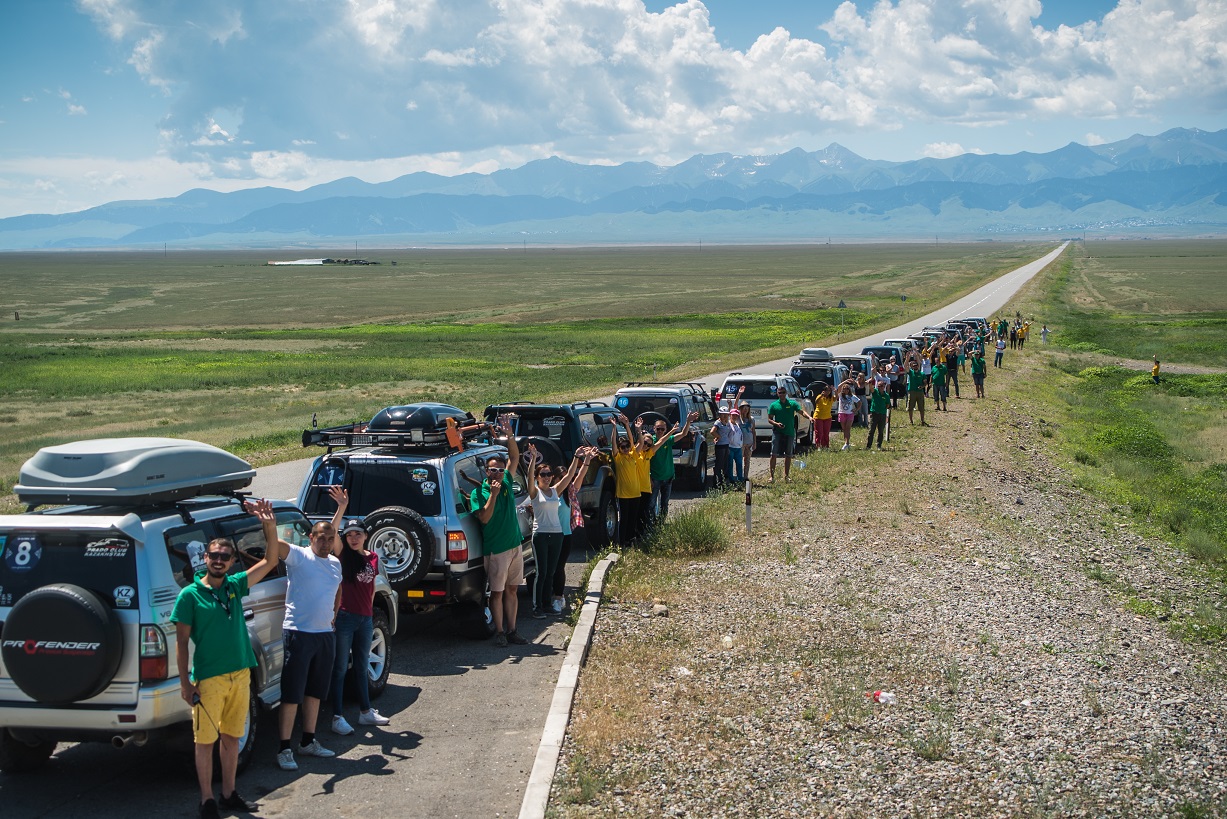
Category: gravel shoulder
[960,570]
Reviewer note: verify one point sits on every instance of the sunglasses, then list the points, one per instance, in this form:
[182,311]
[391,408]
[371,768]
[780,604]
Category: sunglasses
[220,557]
[544,473]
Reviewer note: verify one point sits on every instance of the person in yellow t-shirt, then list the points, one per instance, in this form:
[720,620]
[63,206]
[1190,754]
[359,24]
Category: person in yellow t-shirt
[822,417]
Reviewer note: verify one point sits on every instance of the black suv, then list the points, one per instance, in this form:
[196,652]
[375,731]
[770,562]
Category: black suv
[558,430]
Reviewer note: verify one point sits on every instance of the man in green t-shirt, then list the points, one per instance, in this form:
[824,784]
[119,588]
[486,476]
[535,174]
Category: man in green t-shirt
[209,614]
[915,392]
[979,368]
[494,505]
[782,415]
[879,405]
[660,467]
[941,390]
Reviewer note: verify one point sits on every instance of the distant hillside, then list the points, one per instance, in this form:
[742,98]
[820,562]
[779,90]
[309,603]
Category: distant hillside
[1173,183]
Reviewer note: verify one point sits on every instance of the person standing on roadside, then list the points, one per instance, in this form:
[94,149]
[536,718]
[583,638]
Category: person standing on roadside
[879,405]
[493,505]
[746,421]
[545,496]
[626,487]
[979,368]
[209,614]
[312,600]
[915,392]
[941,391]
[1154,371]
[822,417]
[661,468]
[355,620]
[782,415]
[1000,351]
[1044,331]
[846,402]
[722,432]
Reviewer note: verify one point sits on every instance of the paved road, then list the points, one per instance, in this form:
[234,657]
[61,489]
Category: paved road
[466,716]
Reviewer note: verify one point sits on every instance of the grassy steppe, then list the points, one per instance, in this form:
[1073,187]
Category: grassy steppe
[222,348]
[1156,451]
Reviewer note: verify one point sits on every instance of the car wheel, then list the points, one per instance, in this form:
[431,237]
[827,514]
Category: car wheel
[379,665]
[475,619]
[605,522]
[403,541]
[19,756]
[699,475]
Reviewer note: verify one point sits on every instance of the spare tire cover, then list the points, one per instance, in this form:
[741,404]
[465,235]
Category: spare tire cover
[404,542]
[61,643]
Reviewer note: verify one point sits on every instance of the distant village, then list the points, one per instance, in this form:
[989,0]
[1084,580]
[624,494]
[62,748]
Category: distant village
[326,261]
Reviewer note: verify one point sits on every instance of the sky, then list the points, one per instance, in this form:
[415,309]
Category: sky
[104,100]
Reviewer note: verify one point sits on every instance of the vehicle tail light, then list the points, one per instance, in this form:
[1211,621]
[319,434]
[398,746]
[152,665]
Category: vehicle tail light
[153,654]
[457,547]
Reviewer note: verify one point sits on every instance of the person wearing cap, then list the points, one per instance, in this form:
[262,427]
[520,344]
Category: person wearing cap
[355,623]
[746,421]
[722,432]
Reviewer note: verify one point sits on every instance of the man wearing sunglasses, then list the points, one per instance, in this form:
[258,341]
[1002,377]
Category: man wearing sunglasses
[493,505]
[209,613]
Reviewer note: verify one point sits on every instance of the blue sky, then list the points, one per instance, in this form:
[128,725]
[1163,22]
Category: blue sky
[129,99]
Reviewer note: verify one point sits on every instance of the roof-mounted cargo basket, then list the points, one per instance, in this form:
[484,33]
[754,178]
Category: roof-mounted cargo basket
[424,426]
[129,471]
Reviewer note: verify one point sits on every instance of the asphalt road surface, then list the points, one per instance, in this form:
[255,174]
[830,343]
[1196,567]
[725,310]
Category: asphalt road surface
[466,716]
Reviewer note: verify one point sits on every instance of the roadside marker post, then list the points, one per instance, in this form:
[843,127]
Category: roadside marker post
[749,505]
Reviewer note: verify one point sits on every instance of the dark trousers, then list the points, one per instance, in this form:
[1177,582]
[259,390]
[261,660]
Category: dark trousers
[722,465]
[952,379]
[560,573]
[628,520]
[877,420]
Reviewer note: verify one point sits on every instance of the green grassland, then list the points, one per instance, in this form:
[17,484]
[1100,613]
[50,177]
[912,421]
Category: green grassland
[1141,299]
[223,348]
[1158,452]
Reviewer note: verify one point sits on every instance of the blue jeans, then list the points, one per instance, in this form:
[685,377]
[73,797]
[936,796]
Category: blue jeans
[735,464]
[353,632]
[662,490]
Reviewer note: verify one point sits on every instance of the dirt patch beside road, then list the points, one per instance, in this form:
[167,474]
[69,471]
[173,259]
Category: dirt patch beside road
[960,570]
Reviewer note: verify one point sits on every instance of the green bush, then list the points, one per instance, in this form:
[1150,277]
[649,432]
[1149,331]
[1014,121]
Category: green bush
[689,533]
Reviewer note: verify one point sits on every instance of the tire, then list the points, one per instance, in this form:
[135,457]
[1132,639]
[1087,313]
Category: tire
[699,475]
[476,621]
[605,522]
[88,644]
[380,664]
[17,756]
[549,450]
[403,541]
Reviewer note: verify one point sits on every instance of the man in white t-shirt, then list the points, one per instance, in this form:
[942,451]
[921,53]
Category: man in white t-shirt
[311,602]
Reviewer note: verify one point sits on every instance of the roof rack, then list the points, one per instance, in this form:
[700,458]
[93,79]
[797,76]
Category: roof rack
[356,435]
[691,384]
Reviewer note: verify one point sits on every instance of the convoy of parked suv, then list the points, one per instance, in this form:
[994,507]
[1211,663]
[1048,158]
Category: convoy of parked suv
[87,651]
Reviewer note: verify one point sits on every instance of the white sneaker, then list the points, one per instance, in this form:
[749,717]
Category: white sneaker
[285,760]
[372,717]
[843,448]
[340,726]
[558,607]
[315,749]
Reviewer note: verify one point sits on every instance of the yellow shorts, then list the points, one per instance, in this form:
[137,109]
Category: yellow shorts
[222,707]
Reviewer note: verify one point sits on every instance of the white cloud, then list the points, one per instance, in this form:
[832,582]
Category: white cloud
[1093,139]
[75,110]
[943,150]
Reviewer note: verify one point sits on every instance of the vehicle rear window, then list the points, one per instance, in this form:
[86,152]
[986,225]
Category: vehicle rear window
[635,405]
[755,390]
[101,561]
[375,484]
[542,422]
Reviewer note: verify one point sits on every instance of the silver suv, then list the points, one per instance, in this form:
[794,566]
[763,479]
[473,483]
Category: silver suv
[760,392]
[87,649]
[409,474]
[694,456]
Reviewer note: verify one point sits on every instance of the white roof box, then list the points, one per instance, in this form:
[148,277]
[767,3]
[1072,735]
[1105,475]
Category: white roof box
[815,354]
[129,470]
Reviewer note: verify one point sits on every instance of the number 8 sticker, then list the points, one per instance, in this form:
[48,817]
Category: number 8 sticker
[23,552]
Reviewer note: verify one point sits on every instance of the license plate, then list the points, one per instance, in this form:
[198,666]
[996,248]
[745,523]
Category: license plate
[756,413]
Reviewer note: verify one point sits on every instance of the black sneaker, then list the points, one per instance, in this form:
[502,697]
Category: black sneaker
[237,803]
[208,809]
[515,639]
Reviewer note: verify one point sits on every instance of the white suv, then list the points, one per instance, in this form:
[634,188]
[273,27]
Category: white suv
[760,392]
[87,649]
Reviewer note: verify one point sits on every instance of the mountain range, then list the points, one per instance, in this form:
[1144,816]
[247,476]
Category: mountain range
[1174,183]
